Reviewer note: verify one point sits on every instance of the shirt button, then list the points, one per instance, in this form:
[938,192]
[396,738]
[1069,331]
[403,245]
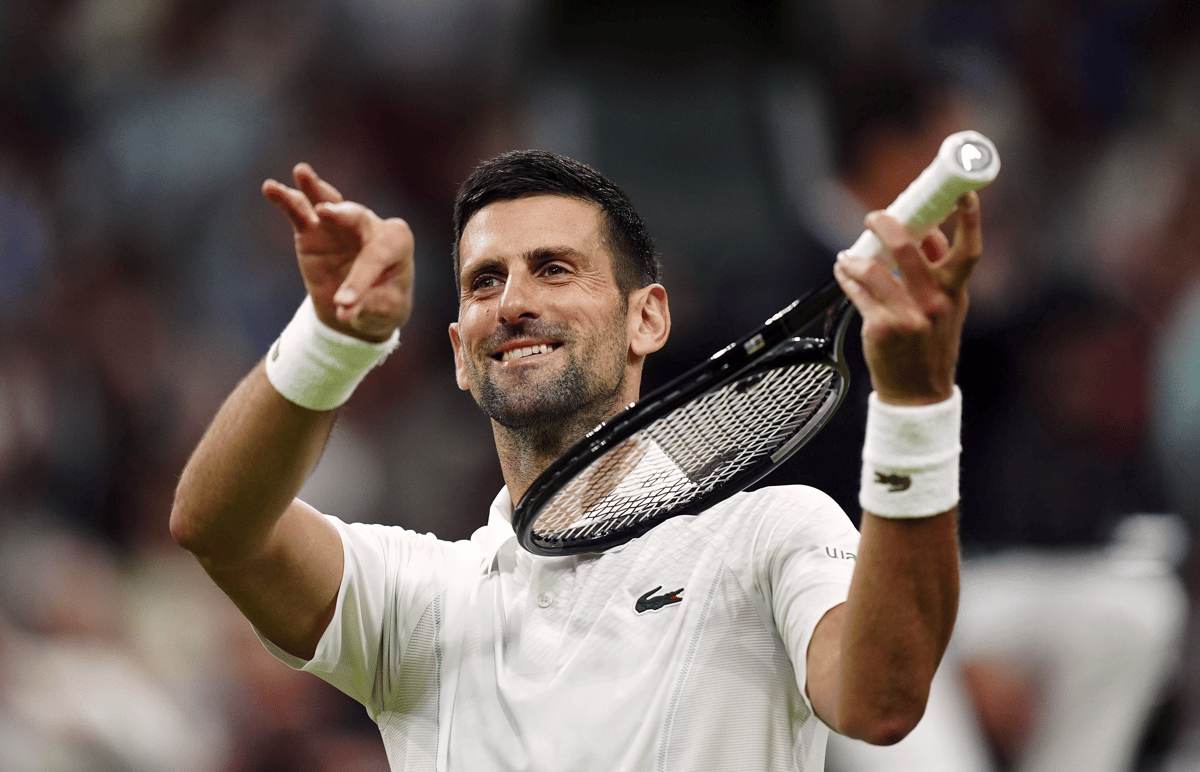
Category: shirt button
[545,599]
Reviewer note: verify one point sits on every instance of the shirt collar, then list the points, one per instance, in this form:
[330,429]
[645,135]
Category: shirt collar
[500,534]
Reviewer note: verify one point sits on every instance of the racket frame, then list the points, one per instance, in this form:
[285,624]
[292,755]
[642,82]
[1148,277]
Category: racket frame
[777,343]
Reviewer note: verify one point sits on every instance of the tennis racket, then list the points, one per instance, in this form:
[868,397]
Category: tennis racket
[726,423]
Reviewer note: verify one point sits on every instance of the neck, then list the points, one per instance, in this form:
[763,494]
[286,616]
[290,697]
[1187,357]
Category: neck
[526,452]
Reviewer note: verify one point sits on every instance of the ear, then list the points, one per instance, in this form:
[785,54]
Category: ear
[460,367]
[649,320]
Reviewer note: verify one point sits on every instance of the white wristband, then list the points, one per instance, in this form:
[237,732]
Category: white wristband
[318,367]
[910,458]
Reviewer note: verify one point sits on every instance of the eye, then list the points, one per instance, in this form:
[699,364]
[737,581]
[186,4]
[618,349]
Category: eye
[485,281]
[555,269]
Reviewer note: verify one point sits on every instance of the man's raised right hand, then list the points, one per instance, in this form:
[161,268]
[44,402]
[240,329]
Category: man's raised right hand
[357,268]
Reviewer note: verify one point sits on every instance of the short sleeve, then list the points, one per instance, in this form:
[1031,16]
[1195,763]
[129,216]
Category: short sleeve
[390,576]
[804,551]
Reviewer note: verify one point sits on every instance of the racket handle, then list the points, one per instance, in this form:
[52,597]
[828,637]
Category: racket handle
[966,161]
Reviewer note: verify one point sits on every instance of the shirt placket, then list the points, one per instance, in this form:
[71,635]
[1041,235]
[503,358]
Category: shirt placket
[548,606]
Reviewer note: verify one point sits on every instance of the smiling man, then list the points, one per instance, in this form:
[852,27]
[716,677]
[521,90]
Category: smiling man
[781,622]
[554,323]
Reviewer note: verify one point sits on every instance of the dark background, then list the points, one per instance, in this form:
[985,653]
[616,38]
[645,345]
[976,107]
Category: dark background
[141,274]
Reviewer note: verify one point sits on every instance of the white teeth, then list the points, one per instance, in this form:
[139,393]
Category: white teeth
[518,353]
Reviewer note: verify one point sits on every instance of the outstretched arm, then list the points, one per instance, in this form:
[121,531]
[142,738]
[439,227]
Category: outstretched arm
[235,506]
[871,659]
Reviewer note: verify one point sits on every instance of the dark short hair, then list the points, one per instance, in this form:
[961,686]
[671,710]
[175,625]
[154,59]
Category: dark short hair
[521,173]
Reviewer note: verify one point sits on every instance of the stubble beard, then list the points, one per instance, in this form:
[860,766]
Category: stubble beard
[549,416]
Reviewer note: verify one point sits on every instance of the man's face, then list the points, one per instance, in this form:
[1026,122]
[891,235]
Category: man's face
[542,332]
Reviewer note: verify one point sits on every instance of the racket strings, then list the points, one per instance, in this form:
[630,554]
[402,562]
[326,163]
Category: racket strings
[688,453]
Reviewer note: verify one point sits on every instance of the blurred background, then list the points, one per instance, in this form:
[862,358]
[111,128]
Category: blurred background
[142,274]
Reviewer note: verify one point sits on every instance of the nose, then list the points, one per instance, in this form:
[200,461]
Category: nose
[519,299]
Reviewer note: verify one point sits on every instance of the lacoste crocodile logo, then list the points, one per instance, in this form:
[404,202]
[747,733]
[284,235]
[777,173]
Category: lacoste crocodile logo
[646,603]
[894,482]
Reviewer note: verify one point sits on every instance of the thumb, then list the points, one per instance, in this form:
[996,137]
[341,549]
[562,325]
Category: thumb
[355,222]
[385,258]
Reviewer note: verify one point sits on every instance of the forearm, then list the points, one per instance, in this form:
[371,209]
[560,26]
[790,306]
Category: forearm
[247,469]
[897,622]
[876,656]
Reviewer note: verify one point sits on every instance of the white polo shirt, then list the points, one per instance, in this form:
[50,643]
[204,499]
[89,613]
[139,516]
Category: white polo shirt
[683,649]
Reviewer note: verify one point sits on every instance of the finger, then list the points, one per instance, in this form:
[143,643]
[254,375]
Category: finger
[311,184]
[385,258]
[387,249]
[905,253]
[859,295]
[868,283]
[935,246]
[291,202]
[968,242]
[381,305]
[356,221]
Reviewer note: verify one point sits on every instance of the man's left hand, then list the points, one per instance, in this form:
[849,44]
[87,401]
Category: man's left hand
[912,323]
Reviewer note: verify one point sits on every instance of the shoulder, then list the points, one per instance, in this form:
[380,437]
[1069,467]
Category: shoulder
[774,497]
[399,548]
[778,523]
[789,507]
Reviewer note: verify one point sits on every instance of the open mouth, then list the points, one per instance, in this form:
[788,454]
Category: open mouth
[524,351]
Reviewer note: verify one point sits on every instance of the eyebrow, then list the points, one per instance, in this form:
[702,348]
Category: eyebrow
[542,254]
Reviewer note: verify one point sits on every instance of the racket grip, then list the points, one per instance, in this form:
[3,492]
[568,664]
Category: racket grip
[966,161]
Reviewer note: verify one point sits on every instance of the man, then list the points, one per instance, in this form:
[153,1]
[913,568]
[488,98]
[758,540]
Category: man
[725,640]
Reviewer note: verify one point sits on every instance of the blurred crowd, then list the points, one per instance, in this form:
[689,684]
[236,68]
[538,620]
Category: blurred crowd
[142,274]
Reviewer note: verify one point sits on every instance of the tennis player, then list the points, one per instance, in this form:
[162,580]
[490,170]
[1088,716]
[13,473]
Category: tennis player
[734,639]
